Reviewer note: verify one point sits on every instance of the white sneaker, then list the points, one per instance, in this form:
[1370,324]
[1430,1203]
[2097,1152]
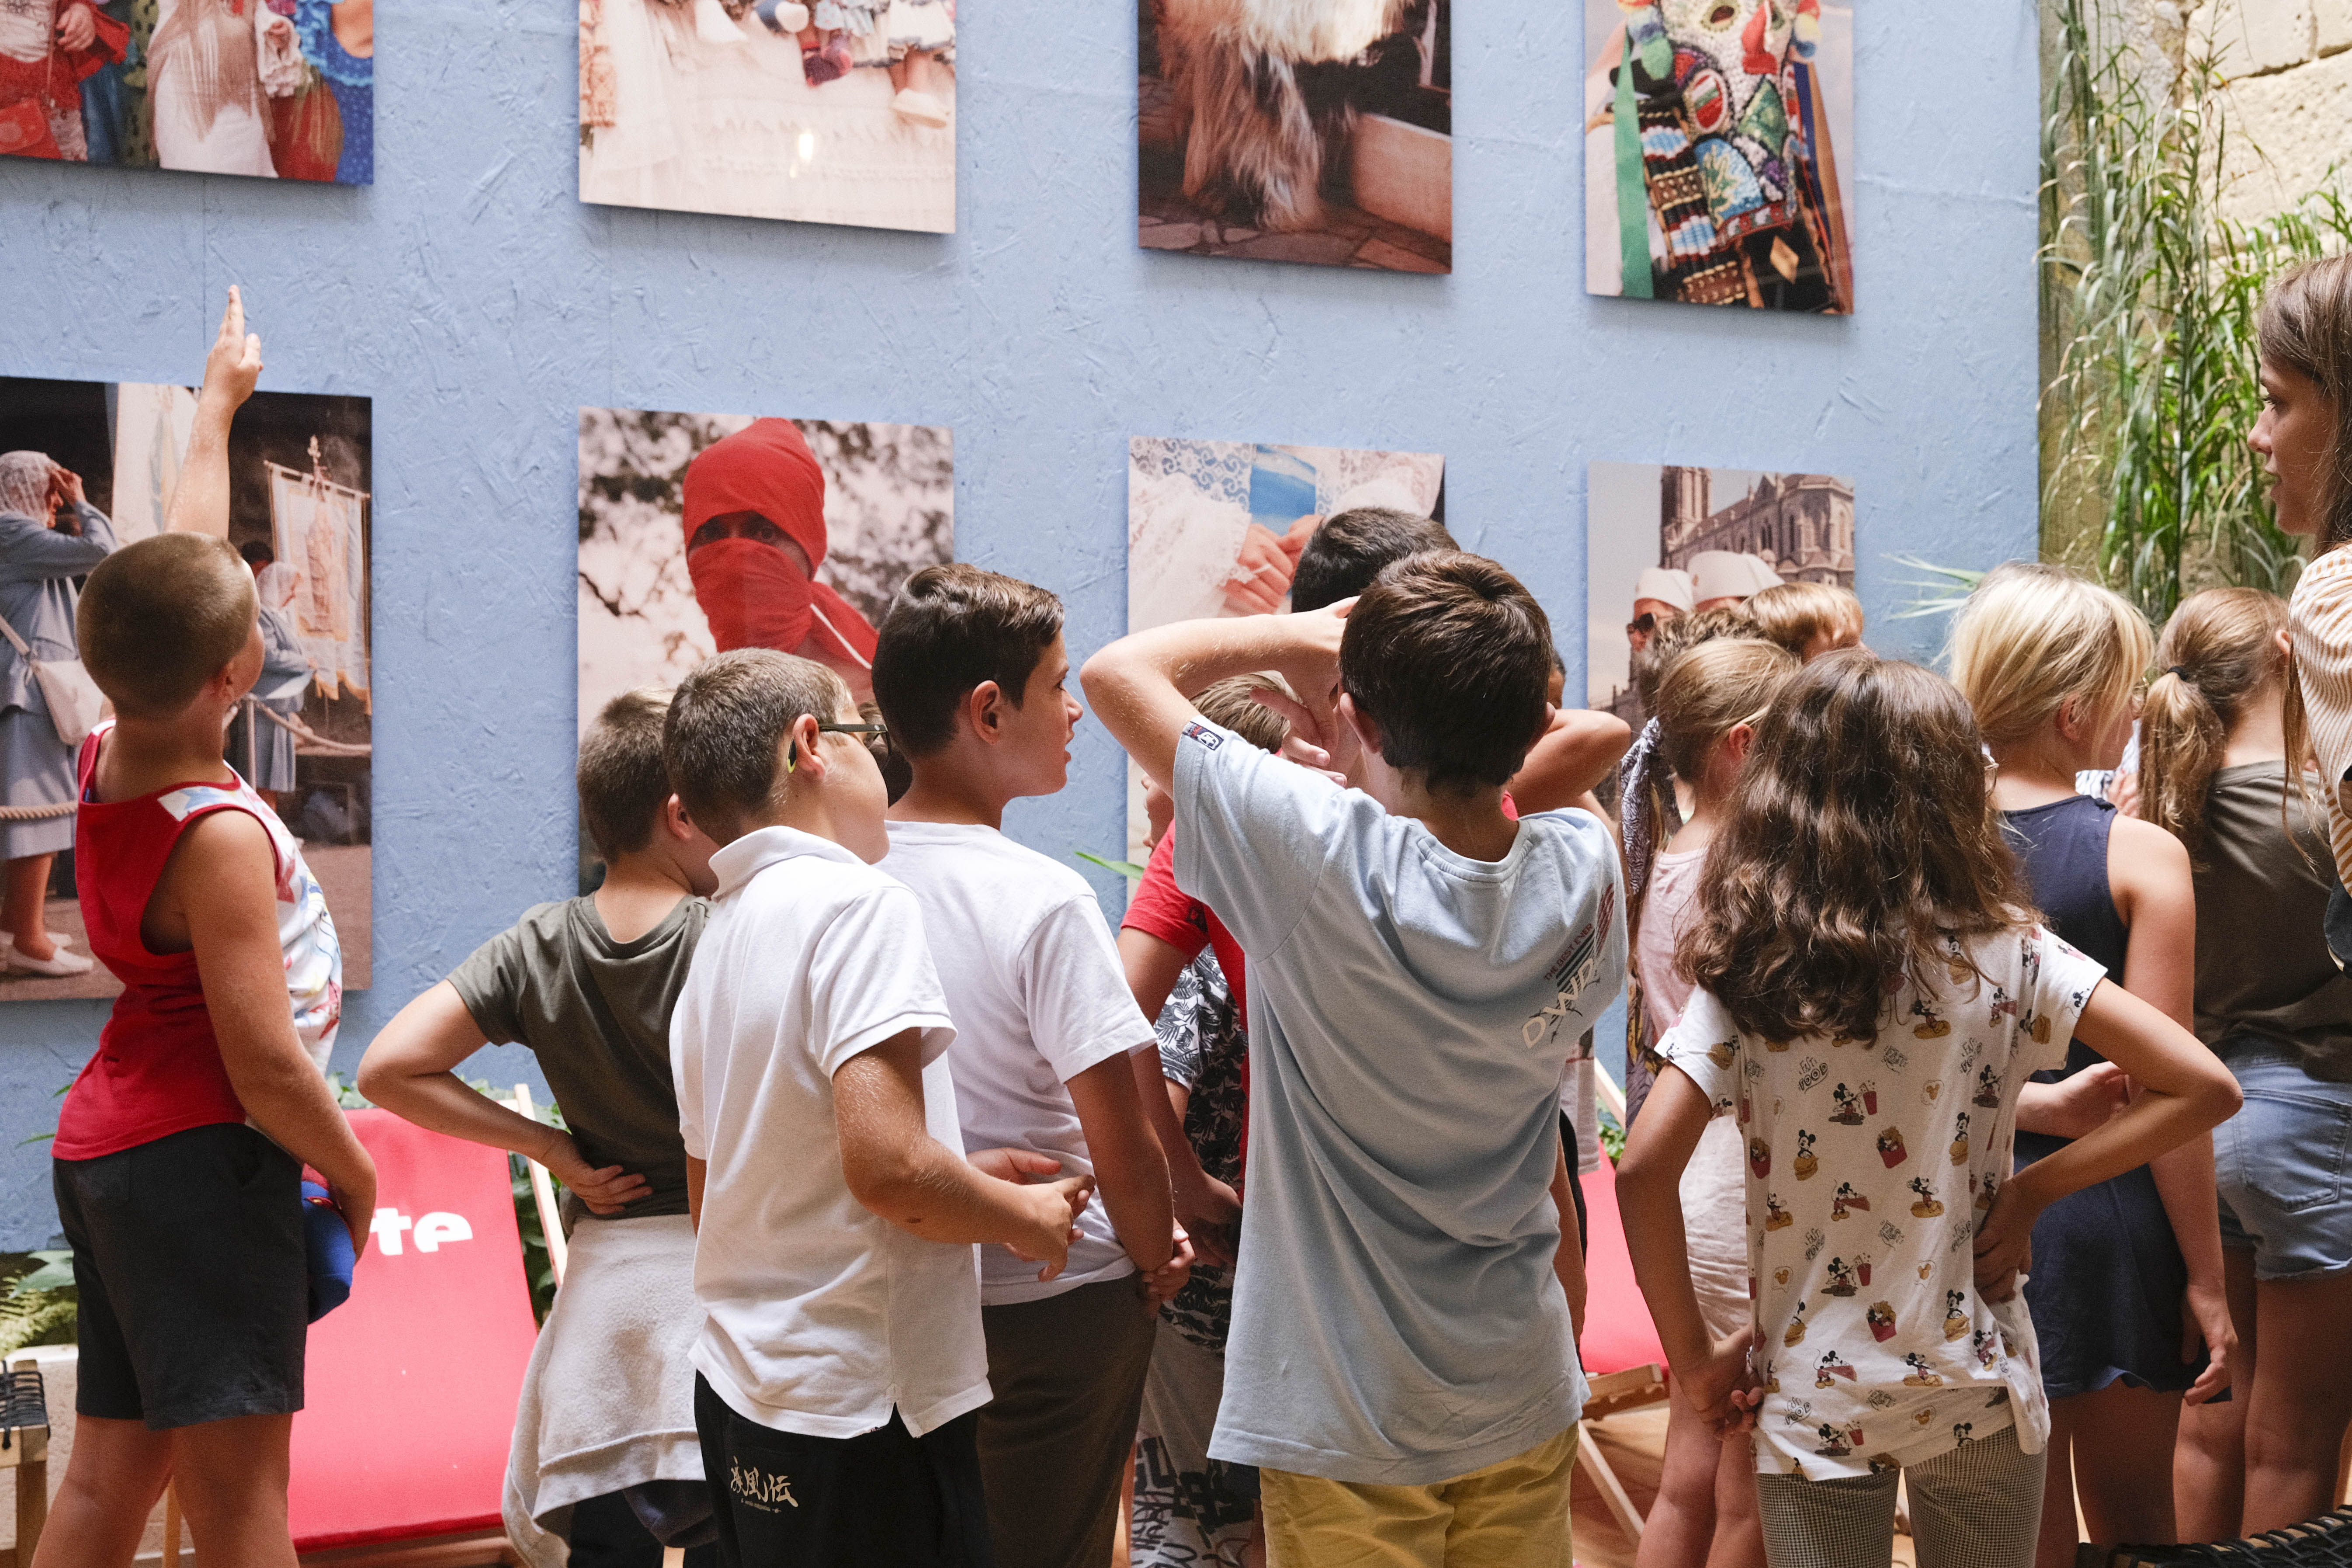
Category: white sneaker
[788,19]
[61,962]
[920,108]
[57,939]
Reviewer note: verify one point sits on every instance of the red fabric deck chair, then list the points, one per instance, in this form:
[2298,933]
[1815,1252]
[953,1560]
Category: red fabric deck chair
[1623,1361]
[400,1452]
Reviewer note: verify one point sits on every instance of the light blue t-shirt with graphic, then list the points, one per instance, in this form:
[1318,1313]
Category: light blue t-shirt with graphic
[1396,1318]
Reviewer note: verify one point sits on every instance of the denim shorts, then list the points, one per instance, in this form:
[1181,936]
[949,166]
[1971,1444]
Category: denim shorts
[2281,1165]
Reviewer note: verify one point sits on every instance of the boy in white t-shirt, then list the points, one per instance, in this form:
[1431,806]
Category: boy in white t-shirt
[840,1363]
[1403,1367]
[970,675]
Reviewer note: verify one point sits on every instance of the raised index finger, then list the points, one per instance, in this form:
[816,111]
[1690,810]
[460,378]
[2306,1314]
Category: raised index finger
[233,319]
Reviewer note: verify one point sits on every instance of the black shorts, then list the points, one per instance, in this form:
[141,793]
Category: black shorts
[883,1499]
[192,1275]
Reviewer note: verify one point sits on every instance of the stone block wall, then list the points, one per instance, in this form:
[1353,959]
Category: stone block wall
[2287,65]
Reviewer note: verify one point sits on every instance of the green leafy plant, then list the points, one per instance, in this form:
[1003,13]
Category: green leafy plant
[2149,297]
[1126,868]
[1613,1137]
[41,1306]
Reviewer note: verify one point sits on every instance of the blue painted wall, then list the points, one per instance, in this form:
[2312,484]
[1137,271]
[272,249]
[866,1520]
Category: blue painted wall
[479,304]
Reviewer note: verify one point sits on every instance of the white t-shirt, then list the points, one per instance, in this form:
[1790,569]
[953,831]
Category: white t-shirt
[821,1315]
[1868,1163]
[1038,996]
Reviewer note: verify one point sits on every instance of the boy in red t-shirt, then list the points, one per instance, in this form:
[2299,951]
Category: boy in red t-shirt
[181,1146]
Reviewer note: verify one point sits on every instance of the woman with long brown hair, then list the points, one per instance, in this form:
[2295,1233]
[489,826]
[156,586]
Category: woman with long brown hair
[2279,1014]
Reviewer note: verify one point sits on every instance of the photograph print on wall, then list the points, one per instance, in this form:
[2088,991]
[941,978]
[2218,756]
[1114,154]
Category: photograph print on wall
[1215,528]
[814,111]
[700,533]
[87,468]
[277,88]
[1664,542]
[1313,130]
[1719,144]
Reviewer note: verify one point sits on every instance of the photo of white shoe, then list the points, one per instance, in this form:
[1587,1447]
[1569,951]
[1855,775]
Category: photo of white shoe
[920,108]
[60,963]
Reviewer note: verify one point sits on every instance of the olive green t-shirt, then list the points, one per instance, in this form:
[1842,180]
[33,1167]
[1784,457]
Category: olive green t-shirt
[596,1012]
[2263,970]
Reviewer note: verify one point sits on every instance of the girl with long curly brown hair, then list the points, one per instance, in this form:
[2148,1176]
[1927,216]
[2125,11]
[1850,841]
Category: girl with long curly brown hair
[2275,1008]
[1872,991]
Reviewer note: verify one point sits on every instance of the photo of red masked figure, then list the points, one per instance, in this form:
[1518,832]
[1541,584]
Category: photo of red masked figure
[754,537]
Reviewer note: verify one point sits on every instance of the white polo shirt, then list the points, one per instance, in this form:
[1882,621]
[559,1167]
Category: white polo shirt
[822,1316]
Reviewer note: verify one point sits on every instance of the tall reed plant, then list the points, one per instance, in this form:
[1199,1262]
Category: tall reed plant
[2149,293]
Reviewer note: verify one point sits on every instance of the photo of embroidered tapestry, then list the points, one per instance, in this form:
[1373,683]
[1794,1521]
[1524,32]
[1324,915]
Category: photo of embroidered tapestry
[1662,541]
[87,468]
[1718,150]
[281,90]
[704,532]
[1313,130]
[814,111]
[1215,528]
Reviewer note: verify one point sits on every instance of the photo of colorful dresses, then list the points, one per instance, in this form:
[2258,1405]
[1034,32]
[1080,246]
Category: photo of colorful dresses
[272,88]
[1712,135]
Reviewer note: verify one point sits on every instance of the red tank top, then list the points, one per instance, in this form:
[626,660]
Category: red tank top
[158,1068]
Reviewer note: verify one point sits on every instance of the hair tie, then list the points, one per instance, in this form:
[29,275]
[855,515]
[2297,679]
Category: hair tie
[2184,675]
[1633,807]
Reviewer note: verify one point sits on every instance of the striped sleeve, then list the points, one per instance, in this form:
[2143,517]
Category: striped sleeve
[2321,617]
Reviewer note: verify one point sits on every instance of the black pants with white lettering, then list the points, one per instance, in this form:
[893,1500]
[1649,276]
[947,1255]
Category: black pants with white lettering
[883,1499]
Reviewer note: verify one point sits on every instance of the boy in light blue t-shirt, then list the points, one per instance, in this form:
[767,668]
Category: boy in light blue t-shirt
[1403,1362]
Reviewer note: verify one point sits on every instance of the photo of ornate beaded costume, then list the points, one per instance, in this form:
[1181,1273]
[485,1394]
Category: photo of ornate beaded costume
[1314,131]
[88,468]
[822,111]
[1712,170]
[1665,541]
[280,89]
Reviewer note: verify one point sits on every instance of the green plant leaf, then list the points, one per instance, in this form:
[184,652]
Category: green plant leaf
[1126,868]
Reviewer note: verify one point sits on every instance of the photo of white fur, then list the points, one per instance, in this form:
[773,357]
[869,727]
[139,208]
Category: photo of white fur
[1309,131]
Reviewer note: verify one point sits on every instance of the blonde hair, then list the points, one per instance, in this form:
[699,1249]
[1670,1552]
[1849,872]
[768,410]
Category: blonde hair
[1706,693]
[2033,638]
[1795,614]
[2220,649]
[161,617]
[1230,704]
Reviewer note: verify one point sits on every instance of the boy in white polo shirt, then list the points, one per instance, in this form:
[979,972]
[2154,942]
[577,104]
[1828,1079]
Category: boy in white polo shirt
[1402,1366]
[841,1360]
[970,675]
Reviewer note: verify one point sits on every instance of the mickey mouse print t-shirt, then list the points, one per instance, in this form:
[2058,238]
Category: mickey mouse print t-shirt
[1869,1163]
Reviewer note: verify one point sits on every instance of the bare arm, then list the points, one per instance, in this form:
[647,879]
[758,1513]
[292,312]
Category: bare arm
[1138,684]
[2149,875]
[899,1172]
[410,1069]
[222,880]
[1152,966]
[1567,1259]
[1131,1172]
[1649,1200]
[1570,759]
[697,1171]
[2185,1090]
[200,498]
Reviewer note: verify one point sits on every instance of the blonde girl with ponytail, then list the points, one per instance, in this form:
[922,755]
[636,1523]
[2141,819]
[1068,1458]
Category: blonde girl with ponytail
[1710,699]
[2276,1010]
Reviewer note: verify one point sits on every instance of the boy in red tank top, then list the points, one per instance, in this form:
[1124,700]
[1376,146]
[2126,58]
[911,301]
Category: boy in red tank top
[180,1148]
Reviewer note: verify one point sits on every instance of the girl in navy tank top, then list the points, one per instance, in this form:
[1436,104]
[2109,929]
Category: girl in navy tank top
[2126,1285]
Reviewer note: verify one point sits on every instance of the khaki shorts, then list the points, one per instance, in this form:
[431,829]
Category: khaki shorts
[1512,1514]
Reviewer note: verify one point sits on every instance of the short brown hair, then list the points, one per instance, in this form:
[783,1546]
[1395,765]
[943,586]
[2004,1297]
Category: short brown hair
[623,782]
[1351,548]
[1450,659]
[160,618]
[1680,635]
[1795,614]
[1229,705]
[727,721]
[951,628]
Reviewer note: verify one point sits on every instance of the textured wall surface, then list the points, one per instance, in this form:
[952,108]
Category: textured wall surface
[473,297]
[2288,63]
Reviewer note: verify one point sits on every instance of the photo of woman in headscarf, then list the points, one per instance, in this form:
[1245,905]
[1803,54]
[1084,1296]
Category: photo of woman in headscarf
[211,67]
[49,535]
[701,534]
